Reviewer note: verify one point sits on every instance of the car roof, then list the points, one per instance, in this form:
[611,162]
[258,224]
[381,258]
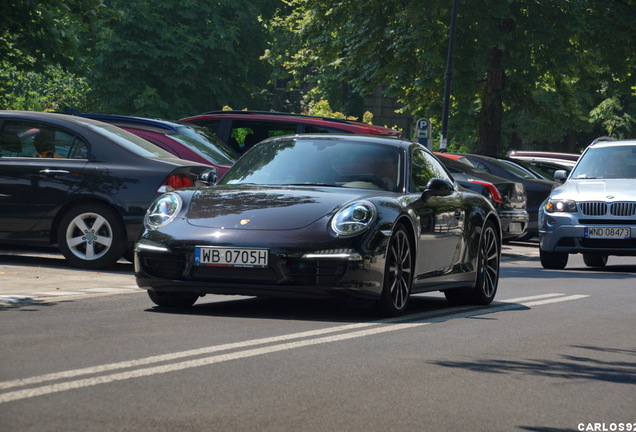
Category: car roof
[132,121]
[291,118]
[608,142]
[543,154]
[378,139]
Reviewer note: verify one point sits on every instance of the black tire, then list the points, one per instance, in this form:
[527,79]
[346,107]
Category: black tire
[488,263]
[398,274]
[553,260]
[173,299]
[595,260]
[92,236]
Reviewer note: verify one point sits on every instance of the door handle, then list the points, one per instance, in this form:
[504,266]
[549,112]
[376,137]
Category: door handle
[54,172]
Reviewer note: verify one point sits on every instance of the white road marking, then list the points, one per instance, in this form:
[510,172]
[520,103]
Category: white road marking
[280,343]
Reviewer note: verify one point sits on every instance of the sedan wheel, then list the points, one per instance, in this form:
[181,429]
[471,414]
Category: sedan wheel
[91,236]
[595,260]
[553,260]
[488,261]
[398,274]
[172,299]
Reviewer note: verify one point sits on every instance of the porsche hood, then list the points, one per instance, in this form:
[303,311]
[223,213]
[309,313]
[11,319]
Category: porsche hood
[266,208]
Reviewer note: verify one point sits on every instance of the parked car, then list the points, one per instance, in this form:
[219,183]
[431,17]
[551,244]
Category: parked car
[185,141]
[317,216]
[537,189]
[81,184]
[242,129]
[508,197]
[547,162]
[594,211]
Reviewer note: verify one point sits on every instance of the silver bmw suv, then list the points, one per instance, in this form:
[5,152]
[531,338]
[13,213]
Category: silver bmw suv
[594,211]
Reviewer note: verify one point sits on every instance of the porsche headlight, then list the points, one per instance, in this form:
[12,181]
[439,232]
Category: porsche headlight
[560,206]
[354,218]
[163,210]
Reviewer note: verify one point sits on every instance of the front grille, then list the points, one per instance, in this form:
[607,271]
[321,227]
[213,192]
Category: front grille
[219,274]
[602,208]
[593,208]
[623,209]
[288,272]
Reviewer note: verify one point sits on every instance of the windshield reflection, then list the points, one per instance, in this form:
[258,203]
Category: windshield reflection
[320,162]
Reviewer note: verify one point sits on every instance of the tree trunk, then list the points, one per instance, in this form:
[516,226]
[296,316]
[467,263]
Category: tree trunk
[491,106]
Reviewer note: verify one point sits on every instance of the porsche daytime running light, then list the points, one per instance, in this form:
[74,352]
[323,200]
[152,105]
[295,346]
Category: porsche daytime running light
[163,210]
[560,206]
[354,218]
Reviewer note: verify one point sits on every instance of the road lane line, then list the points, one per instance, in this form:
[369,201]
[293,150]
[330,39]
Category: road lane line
[345,331]
[209,350]
[555,300]
[522,299]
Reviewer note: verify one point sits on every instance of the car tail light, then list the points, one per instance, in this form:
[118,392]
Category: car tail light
[178,181]
[494,192]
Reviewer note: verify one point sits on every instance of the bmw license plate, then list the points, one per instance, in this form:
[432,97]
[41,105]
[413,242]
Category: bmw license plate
[230,257]
[607,233]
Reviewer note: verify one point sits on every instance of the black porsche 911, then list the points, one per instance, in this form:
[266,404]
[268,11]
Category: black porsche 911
[319,216]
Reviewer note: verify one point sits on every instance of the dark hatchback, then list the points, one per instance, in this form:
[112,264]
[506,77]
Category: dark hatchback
[82,185]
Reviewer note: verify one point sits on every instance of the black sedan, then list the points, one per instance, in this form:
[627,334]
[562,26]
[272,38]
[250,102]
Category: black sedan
[323,216]
[509,197]
[82,185]
[537,189]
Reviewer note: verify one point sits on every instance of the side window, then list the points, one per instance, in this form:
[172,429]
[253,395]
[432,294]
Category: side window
[37,140]
[424,168]
[246,133]
[212,125]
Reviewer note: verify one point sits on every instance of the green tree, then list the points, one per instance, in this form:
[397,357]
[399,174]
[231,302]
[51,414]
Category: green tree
[171,59]
[525,71]
[42,51]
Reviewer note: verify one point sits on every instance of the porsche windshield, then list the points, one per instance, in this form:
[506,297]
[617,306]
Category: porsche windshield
[324,162]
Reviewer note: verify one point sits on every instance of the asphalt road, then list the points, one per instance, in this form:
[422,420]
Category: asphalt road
[86,351]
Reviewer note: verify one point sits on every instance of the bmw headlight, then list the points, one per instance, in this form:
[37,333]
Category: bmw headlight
[354,218]
[560,206]
[163,210]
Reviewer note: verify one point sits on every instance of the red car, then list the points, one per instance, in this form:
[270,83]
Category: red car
[242,129]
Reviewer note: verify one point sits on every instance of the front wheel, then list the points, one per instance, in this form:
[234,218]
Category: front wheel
[553,260]
[92,236]
[595,260]
[488,260]
[172,299]
[398,274]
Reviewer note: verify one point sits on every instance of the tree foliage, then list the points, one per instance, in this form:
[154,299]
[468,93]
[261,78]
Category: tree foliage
[525,71]
[43,51]
[179,58]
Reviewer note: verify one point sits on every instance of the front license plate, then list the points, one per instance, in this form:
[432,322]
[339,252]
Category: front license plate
[607,233]
[230,257]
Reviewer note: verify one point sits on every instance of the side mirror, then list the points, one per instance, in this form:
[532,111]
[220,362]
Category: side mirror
[560,175]
[437,187]
[209,178]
